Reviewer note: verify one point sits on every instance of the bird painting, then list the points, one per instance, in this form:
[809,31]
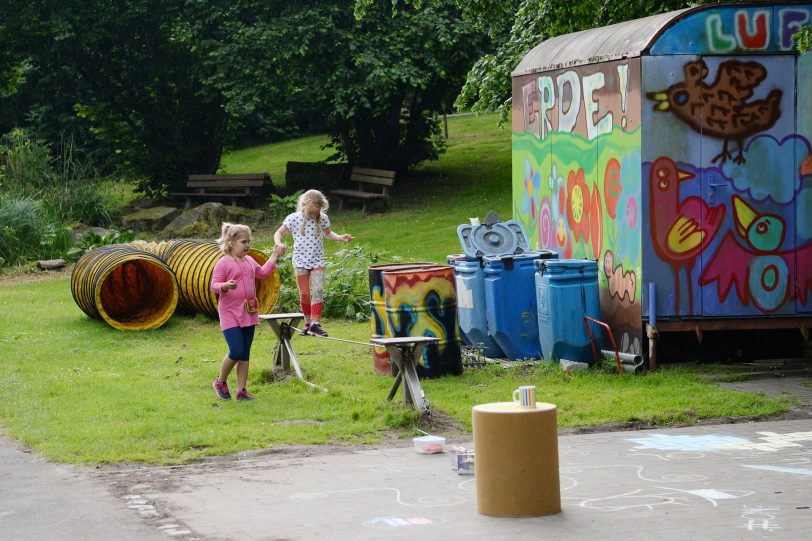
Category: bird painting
[761,272]
[680,230]
[721,109]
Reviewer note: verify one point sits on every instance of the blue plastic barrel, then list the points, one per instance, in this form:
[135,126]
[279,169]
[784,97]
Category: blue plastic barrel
[566,291]
[510,303]
[469,279]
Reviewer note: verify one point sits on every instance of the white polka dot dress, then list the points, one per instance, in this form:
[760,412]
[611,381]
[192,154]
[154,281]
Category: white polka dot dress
[308,248]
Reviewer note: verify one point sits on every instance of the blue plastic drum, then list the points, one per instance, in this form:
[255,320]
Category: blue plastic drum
[469,279]
[566,291]
[510,302]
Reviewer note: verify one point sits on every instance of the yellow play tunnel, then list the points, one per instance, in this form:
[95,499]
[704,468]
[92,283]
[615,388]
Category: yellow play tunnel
[127,287]
[138,286]
[193,262]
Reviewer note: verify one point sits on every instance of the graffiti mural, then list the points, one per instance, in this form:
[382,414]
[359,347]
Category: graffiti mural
[722,109]
[576,153]
[681,228]
[751,261]
[735,217]
[683,167]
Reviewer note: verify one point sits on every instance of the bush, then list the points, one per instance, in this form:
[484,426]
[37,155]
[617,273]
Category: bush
[279,207]
[346,284]
[69,187]
[26,233]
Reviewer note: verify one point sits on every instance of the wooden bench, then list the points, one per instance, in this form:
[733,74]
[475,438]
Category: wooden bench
[244,186]
[372,185]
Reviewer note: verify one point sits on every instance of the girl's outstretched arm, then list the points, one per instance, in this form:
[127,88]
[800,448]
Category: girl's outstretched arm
[330,234]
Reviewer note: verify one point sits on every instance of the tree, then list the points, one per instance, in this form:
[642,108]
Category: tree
[488,84]
[165,85]
[396,66]
[130,75]
[804,38]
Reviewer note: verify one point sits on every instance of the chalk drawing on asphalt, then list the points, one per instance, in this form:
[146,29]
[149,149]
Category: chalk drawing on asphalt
[781,469]
[402,522]
[673,478]
[760,519]
[765,441]
[424,501]
[713,495]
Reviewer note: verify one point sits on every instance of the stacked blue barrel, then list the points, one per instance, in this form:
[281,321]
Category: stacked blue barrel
[495,279]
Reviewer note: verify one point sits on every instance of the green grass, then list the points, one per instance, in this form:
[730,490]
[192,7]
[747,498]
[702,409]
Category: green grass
[79,391]
[272,158]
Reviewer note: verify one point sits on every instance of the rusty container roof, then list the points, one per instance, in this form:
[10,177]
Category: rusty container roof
[622,40]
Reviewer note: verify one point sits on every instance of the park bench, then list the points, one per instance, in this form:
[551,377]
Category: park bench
[242,186]
[371,185]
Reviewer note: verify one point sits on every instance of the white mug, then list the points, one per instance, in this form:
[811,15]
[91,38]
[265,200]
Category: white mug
[526,396]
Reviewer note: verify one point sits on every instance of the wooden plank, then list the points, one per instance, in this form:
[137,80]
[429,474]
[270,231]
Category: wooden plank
[228,183]
[372,180]
[237,176]
[374,172]
[359,194]
[210,194]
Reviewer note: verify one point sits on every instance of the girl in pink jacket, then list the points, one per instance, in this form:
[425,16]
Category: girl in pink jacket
[233,281]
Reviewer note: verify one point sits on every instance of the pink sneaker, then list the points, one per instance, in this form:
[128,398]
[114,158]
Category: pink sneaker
[243,394]
[221,388]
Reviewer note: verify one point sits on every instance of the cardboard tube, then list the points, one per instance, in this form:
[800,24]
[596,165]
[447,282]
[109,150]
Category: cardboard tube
[516,462]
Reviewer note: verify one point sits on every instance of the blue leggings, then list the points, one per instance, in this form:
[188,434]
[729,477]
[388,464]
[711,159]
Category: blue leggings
[239,342]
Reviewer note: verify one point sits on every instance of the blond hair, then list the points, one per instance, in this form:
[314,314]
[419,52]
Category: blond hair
[312,198]
[230,233]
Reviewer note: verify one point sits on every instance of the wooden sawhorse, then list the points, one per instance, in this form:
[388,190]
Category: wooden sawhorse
[283,326]
[405,352]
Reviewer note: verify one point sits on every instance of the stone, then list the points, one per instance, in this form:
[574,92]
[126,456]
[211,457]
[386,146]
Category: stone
[150,219]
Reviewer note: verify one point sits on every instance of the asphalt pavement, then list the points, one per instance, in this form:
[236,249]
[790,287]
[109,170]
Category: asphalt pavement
[732,481]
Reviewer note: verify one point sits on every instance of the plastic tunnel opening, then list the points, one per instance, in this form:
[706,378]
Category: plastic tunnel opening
[137,295]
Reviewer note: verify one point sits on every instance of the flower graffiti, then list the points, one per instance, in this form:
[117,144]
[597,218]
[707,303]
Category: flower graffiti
[612,186]
[532,183]
[578,197]
[545,223]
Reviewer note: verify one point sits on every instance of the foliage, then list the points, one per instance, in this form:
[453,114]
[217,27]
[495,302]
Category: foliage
[397,65]
[25,167]
[164,86]
[280,206]
[26,233]
[130,76]
[67,184]
[804,38]
[90,240]
[346,284]
[488,84]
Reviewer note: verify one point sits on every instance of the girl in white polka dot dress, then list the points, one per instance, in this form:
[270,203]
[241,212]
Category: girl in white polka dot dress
[309,226]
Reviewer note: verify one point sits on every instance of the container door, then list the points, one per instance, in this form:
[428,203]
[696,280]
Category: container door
[746,239]
[803,205]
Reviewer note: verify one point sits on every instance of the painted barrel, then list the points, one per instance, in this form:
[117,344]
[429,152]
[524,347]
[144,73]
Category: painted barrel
[469,279]
[129,288]
[381,363]
[566,291]
[510,303]
[193,262]
[423,302]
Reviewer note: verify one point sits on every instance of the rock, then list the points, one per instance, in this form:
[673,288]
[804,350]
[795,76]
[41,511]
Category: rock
[205,221]
[151,219]
[251,217]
